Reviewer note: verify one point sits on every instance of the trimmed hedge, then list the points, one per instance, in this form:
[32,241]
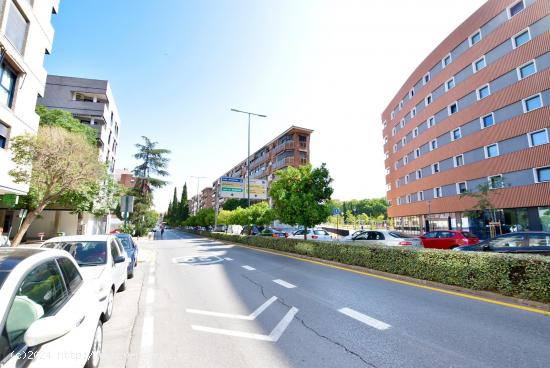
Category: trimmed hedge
[522,276]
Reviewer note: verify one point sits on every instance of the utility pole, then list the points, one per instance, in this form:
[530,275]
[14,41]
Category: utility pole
[196,207]
[248,156]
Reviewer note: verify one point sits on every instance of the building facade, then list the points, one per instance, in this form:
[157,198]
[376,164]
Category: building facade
[290,148]
[475,114]
[92,102]
[125,178]
[206,198]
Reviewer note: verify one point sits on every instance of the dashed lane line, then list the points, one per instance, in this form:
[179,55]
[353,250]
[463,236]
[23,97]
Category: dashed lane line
[288,285]
[373,322]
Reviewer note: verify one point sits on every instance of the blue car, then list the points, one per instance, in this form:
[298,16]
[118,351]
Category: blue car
[132,249]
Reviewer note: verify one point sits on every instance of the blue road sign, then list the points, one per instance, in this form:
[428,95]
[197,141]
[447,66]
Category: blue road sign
[336,211]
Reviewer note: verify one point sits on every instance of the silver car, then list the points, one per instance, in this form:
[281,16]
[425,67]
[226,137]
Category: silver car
[388,237]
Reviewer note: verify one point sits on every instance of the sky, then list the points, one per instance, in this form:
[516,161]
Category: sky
[177,67]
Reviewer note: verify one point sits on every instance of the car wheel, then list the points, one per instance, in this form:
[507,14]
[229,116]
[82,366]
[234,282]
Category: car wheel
[109,310]
[131,274]
[123,286]
[97,345]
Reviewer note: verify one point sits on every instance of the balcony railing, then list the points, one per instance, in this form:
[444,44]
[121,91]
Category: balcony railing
[284,146]
[289,161]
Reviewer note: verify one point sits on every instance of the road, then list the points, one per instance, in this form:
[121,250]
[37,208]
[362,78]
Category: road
[200,303]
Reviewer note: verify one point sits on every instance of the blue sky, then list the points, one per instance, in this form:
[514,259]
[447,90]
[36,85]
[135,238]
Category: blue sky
[177,67]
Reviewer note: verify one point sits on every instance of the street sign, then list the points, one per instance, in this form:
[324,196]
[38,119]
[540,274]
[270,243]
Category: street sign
[231,187]
[258,189]
[336,211]
[9,200]
[127,204]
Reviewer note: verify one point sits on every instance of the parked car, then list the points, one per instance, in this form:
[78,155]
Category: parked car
[251,230]
[448,239]
[312,234]
[102,259]
[533,242]
[354,234]
[389,238]
[49,313]
[273,233]
[131,249]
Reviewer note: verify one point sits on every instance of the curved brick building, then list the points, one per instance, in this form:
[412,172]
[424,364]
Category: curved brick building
[476,111]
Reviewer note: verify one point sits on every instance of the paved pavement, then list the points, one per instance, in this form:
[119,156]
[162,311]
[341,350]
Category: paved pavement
[199,303]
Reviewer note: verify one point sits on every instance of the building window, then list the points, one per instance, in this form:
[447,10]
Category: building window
[479,64]
[426,78]
[461,188]
[386,140]
[491,150]
[408,198]
[430,122]
[521,38]
[384,124]
[437,192]
[428,100]
[7,84]
[418,174]
[456,134]
[400,104]
[433,144]
[538,138]
[483,92]
[4,135]
[527,69]
[435,168]
[392,114]
[446,60]
[393,131]
[452,109]
[487,121]
[387,155]
[413,112]
[542,174]
[450,84]
[396,165]
[475,38]
[411,93]
[459,160]
[397,184]
[532,103]
[495,182]
[415,132]
[417,153]
[405,160]
[387,171]
[515,8]
[407,179]
[420,196]
[394,148]
[402,123]
[403,141]
[16,28]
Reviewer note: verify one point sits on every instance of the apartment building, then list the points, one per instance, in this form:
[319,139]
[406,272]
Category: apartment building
[125,178]
[92,102]
[475,112]
[206,198]
[290,148]
[26,35]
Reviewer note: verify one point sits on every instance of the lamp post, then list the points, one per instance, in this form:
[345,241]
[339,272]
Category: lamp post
[248,156]
[196,209]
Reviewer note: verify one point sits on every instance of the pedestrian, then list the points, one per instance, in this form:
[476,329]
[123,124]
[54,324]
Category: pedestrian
[4,240]
[161,230]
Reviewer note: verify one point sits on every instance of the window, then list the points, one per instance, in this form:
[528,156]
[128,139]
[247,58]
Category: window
[483,92]
[417,153]
[413,112]
[491,150]
[521,38]
[403,141]
[487,121]
[538,138]
[461,188]
[386,140]
[509,241]
[446,60]
[387,171]
[539,240]
[495,182]
[426,78]
[475,38]
[405,160]
[387,155]
[456,134]
[407,179]
[450,84]
[459,160]
[402,123]
[527,69]
[418,174]
[392,114]
[4,135]
[415,132]
[411,93]
[437,192]
[428,100]
[515,9]
[435,168]
[400,104]
[72,277]
[408,198]
[479,64]
[532,103]
[384,124]
[397,183]
[394,148]
[388,187]
[433,144]
[542,174]
[420,196]
[16,28]
[452,109]
[393,131]
[430,122]
[7,84]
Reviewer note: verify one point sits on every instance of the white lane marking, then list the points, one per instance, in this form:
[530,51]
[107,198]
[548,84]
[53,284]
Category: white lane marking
[228,259]
[147,338]
[373,322]
[150,297]
[252,316]
[151,280]
[272,337]
[288,285]
[247,267]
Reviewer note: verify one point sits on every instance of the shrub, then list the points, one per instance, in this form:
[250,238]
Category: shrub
[522,276]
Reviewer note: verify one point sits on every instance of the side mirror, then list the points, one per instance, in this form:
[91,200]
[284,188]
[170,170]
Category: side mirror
[48,329]
[119,259]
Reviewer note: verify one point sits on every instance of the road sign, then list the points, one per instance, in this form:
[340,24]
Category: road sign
[336,211]
[231,187]
[126,204]
[258,189]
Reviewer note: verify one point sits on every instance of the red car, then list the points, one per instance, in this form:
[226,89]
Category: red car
[448,239]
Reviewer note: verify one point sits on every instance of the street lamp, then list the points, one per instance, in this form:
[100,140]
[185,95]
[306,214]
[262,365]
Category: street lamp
[196,209]
[248,157]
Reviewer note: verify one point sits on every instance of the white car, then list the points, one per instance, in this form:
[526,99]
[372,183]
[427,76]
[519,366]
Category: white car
[389,238]
[312,234]
[101,258]
[49,314]
[353,235]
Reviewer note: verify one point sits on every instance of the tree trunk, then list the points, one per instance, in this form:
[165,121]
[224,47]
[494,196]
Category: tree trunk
[305,232]
[79,226]
[31,216]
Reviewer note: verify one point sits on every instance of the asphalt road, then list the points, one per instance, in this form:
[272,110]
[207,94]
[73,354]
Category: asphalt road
[199,303]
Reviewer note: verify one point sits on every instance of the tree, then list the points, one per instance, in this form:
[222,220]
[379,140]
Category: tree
[301,195]
[153,162]
[483,201]
[183,210]
[232,204]
[61,161]
[66,120]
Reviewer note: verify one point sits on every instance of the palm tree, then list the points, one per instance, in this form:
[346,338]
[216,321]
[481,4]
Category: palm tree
[154,162]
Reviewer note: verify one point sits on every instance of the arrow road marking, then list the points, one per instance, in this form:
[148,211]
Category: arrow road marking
[247,267]
[228,259]
[284,283]
[373,322]
[272,337]
[252,316]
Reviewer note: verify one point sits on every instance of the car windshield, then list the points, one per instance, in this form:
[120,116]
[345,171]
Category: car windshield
[396,234]
[86,253]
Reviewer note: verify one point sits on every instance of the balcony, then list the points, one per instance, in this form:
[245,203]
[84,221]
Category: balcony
[289,161]
[285,146]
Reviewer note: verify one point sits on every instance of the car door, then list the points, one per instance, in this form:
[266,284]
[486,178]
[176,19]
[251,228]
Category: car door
[509,243]
[118,269]
[445,240]
[429,239]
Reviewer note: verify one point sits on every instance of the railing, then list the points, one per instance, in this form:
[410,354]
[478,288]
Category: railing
[284,146]
[284,162]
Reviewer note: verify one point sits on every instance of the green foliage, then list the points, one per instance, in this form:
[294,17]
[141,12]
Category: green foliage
[483,199]
[64,119]
[523,276]
[232,203]
[204,217]
[183,209]
[374,207]
[153,162]
[301,195]
[128,228]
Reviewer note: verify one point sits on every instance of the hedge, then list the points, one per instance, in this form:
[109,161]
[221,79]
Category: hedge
[521,276]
